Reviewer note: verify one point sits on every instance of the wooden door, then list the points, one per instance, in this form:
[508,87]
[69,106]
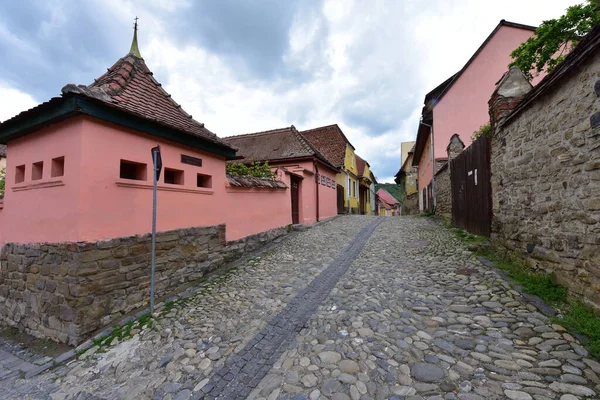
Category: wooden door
[340,199]
[295,182]
[470,174]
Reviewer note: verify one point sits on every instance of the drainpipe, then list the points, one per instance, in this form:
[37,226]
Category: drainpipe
[432,162]
[317,185]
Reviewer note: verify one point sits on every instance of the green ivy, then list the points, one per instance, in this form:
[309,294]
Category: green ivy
[559,35]
[483,130]
[255,169]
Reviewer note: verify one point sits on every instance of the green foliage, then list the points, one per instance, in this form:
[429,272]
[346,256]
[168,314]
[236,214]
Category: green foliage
[483,130]
[2,180]
[255,169]
[580,318]
[397,191]
[555,35]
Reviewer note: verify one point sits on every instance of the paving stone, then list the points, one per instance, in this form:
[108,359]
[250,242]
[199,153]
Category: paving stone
[408,314]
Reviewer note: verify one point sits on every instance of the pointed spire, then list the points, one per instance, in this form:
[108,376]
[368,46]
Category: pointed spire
[135,50]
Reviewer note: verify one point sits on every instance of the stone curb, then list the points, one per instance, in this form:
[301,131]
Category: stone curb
[540,304]
[69,355]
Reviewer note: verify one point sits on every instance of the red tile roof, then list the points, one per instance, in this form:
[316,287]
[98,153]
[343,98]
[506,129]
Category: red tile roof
[331,141]
[360,165]
[388,198]
[277,144]
[129,85]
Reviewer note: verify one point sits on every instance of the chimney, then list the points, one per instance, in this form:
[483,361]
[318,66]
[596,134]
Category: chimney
[509,92]
[455,147]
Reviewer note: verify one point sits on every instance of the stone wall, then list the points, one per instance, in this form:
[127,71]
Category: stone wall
[546,182]
[410,206]
[66,291]
[443,191]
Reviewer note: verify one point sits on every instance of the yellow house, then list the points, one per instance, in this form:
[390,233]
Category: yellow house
[366,187]
[333,144]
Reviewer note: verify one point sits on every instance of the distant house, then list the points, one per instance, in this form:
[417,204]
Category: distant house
[459,105]
[331,142]
[407,179]
[386,199]
[366,190]
[313,177]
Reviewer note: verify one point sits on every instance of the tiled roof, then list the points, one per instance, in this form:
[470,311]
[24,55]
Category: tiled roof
[277,144]
[360,165]
[331,141]
[254,182]
[2,150]
[388,198]
[130,86]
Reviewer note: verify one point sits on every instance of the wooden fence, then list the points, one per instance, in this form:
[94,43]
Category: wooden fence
[471,188]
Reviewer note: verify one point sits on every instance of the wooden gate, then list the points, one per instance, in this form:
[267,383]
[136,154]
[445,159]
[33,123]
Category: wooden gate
[340,199]
[471,188]
[295,182]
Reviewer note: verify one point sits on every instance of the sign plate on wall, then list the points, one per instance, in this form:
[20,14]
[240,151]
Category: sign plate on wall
[191,160]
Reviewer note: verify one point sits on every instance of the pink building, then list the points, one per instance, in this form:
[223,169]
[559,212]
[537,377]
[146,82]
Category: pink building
[311,175]
[80,168]
[460,104]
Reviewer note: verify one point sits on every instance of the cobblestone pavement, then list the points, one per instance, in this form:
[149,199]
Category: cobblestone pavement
[415,316]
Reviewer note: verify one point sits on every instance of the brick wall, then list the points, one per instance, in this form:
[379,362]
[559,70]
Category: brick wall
[443,192]
[546,182]
[65,291]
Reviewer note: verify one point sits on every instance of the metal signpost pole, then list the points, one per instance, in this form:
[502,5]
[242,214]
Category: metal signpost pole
[157,166]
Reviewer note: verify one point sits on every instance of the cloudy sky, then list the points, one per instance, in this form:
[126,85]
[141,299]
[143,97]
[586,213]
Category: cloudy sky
[242,66]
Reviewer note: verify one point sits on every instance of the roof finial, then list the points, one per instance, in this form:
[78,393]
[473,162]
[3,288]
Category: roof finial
[134,44]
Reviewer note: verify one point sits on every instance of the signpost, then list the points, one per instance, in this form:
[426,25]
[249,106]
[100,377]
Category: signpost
[157,167]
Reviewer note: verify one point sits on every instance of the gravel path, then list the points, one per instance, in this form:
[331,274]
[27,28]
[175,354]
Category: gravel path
[414,316]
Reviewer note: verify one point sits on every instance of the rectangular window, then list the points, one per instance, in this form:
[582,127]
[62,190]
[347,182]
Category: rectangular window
[204,181]
[37,171]
[20,174]
[173,176]
[132,170]
[348,186]
[58,167]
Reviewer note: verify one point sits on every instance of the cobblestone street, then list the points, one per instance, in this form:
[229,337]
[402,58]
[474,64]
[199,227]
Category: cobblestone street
[356,308]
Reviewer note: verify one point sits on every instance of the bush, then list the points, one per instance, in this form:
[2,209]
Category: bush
[255,169]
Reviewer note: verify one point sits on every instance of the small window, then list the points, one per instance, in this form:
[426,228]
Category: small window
[58,167]
[37,171]
[173,176]
[132,170]
[20,174]
[203,181]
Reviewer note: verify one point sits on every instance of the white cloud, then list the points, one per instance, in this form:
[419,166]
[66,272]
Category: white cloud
[365,65]
[13,101]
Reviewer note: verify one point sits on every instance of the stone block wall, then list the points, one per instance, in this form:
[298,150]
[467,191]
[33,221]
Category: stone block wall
[546,182]
[411,204]
[443,191]
[66,291]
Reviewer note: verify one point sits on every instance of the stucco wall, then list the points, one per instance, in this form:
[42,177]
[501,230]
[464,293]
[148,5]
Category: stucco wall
[546,183]
[46,209]
[252,210]
[90,202]
[464,108]
[425,170]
